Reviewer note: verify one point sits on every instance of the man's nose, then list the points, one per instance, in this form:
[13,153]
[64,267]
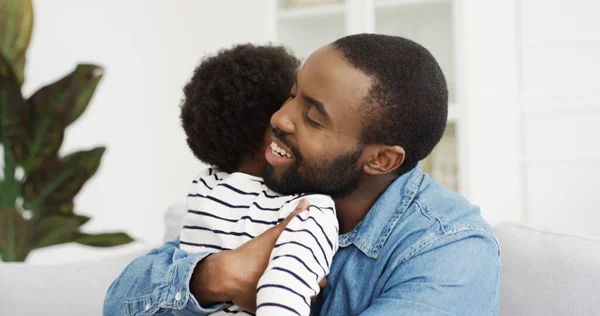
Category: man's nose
[283,118]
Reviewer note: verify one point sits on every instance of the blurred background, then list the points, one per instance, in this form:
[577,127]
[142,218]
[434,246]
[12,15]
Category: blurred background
[522,139]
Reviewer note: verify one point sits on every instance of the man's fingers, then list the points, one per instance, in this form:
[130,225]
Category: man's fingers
[301,207]
[273,233]
[323,283]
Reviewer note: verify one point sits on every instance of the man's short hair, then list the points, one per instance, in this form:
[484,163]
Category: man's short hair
[408,101]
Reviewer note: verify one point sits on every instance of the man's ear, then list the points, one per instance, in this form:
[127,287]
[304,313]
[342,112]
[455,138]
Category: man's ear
[384,159]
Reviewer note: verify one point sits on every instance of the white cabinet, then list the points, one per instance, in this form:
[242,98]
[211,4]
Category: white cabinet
[304,29]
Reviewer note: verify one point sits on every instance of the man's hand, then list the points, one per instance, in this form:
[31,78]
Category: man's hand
[322,285]
[233,275]
[247,263]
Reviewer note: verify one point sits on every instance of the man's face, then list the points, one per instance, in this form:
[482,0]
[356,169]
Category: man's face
[316,133]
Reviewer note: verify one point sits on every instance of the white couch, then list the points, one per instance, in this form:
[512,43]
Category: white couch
[76,288]
[546,273]
[543,273]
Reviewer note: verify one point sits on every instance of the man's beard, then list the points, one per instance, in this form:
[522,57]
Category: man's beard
[337,179]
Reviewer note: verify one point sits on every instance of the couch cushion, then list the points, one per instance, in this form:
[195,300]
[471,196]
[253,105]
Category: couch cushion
[545,273]
[76,288]
[174,221]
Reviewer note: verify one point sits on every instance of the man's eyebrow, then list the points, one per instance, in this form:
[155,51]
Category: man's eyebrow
[317,104]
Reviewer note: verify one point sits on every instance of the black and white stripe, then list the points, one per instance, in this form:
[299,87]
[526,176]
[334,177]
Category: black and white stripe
[227,210]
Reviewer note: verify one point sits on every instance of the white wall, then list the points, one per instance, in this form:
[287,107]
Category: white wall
[149,49]
[532,111]
[530,100]
[559,102]
[489,134]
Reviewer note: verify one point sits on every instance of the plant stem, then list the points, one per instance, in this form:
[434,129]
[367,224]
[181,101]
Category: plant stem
[10,186]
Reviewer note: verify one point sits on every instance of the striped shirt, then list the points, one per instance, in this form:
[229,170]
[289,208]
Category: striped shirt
[226,210]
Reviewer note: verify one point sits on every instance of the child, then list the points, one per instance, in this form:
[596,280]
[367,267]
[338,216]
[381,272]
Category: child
[226,116]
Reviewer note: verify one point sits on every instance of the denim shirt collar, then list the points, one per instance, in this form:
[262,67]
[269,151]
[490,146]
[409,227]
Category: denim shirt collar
[373,231]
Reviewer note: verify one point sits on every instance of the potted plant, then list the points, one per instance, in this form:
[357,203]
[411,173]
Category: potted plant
[37,187]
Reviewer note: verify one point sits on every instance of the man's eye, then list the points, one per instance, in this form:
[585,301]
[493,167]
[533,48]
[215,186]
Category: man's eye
[313,123]
[310,121]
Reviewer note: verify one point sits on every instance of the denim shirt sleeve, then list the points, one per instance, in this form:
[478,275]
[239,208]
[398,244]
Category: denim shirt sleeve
[453,274]
[157,283]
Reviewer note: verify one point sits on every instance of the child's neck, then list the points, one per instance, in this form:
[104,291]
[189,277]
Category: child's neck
[254,166]
[251,171]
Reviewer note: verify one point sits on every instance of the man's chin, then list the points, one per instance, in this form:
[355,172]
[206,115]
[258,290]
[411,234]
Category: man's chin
[269,172]
[337,179]
[274,179]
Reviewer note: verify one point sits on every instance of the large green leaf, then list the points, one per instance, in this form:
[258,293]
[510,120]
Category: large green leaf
[46,134]
[16,24]
[56,183]
[6,69]
[13,116]
[70,96]
[81,219]
[53,230]
[104,240]
[14,113]
[56,229]
[15,236]
[55,206]
[45,130]
[55,106]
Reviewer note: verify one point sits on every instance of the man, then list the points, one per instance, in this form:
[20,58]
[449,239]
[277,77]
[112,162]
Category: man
[363,112]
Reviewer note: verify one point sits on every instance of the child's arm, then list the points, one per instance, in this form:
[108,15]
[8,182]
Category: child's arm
[301,258]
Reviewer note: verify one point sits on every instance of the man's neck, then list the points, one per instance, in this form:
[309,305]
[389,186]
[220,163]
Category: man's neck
[352,209]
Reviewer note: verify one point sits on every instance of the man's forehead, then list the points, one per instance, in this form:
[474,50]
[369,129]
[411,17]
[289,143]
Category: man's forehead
[327,73]
[330,79]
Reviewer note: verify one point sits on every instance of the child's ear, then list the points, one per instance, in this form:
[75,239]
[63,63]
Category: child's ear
[384,159]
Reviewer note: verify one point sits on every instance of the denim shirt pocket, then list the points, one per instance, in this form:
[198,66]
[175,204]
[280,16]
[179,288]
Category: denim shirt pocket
[141,306]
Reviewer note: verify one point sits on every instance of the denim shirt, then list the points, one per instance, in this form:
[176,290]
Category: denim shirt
[421,250]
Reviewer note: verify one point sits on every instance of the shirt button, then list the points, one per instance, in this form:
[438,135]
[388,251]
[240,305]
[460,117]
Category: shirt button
[147,307]
[178,296]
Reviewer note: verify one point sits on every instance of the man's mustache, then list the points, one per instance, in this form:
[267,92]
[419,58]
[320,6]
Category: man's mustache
[282,137]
